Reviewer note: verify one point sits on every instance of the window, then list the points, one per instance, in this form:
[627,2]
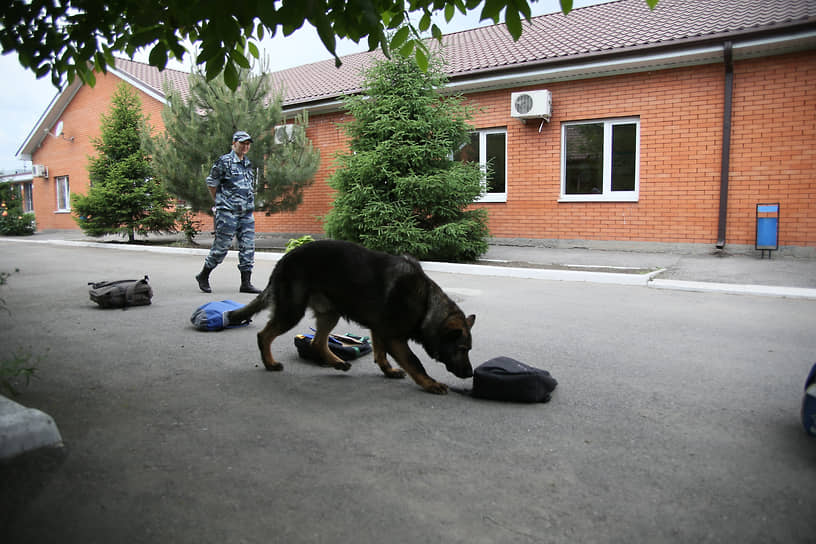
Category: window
[488,147]
[28,199]
[600,160]
[63,194]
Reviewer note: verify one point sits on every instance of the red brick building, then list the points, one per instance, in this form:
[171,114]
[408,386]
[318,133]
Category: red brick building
[631,153]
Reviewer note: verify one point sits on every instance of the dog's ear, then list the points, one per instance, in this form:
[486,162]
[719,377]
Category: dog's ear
[470,320]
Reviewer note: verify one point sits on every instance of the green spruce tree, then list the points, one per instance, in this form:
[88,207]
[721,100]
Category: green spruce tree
[124,197]
[199,128]
[398,188]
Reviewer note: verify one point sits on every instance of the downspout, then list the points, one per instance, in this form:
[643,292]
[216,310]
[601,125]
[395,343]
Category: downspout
[726,145]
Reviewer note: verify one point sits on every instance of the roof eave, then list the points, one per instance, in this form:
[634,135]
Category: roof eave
[60,102]
[47,120]
[692,52]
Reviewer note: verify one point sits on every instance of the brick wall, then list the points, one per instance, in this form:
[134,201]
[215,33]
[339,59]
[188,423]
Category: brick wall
[680,112]
[681,115]
[64,157]
[773,146]
[330,139]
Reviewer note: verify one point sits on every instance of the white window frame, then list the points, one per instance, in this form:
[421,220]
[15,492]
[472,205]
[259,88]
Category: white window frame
[608,195]
[63,190]
[491,197]
[27,195]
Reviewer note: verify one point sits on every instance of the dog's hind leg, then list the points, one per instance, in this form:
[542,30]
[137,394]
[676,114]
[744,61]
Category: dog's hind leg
[265,338]
[320,343]
[378,347]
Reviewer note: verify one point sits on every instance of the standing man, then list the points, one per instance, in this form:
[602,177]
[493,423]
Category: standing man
[231,183]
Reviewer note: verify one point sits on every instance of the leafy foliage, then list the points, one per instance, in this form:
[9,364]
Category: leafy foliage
[14,368]
[399,189]
[74,38]
[297,242]
[4,276]
[12,219]
[199,129]
[124,197]
[190,226]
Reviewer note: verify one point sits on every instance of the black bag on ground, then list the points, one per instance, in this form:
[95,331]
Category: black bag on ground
[122,293]
[503,378]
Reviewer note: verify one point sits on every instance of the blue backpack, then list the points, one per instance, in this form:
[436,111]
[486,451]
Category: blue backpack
[213,316]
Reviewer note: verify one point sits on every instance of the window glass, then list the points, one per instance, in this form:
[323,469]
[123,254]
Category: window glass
[497,180]
[584,164]
[28,199]
[63,193]
[470,151]
[624,146]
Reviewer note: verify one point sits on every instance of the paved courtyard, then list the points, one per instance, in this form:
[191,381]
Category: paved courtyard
[675,419]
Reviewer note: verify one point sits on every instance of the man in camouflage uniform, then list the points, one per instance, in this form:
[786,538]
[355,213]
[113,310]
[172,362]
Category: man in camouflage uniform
[231,183]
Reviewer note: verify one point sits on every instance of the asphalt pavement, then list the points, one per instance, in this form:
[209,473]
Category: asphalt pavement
[675,418]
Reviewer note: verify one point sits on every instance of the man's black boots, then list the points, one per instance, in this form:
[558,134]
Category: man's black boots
[203,279]
[246,284]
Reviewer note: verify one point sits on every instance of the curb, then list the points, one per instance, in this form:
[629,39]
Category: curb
[616,278]
[735,289]
[645,280]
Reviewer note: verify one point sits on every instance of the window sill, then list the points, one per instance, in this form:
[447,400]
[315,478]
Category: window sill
[597,198]
[498,197]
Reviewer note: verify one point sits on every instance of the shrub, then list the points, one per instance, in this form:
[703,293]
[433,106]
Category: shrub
[13,222]
[296,242]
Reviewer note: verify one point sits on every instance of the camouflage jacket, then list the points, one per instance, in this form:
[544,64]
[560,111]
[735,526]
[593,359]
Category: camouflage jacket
[234,181]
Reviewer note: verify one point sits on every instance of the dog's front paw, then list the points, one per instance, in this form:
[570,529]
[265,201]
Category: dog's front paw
[436,388]
[274,367]
[342,365]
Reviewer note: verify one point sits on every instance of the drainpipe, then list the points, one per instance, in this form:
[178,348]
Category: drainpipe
[726,145]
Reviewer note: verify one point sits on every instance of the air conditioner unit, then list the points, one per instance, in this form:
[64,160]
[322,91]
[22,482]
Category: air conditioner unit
[39,170]
[531,105]
[284,134]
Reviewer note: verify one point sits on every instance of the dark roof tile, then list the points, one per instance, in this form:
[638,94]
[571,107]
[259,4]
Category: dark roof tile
[602,29]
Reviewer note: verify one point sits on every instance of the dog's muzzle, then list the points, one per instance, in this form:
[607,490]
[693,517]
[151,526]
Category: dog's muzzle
[460,371]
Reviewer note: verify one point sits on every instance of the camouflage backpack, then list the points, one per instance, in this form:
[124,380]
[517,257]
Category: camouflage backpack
[121,294]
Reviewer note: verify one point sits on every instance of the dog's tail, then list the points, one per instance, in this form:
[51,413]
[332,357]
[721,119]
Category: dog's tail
[245,313]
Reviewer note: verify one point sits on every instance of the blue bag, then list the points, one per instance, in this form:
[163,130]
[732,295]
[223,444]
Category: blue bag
[213,316]
[346,346]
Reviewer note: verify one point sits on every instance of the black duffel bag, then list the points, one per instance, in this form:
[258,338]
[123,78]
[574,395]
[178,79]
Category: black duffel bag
[503,378]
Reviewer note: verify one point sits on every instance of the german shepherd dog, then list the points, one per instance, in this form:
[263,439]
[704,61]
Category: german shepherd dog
[389,295]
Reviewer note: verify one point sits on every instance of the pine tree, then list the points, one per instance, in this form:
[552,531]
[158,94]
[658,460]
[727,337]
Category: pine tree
[124,197]
[199,129]
[398,188]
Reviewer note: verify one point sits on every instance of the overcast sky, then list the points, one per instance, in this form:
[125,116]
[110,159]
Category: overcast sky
[24,98]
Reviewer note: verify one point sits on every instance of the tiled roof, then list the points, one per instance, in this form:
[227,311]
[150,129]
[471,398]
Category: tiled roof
[153,79]
[617,27]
